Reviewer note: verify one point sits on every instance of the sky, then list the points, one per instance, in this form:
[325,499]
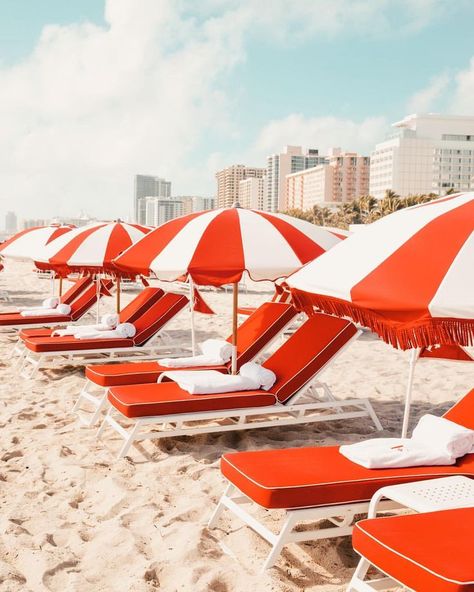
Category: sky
[93,91]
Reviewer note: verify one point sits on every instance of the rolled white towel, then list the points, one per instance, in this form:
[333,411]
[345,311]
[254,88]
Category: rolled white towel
[47,304]
[110,320]
[205,382]
[107,322]
[122,331]
[126,330]
[387,453]
[190,361]
[218,349]
[61,309]
[257,373]
[443,434]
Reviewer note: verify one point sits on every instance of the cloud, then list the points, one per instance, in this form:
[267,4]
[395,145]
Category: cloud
[93,105]
[462,102]
[425,100]
[322,133]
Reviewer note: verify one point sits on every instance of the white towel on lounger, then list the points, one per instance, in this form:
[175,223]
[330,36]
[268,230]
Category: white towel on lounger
[122,331]
[206,382]
[107,322]
[435,441]
[46,304]
[61,309]
[215,352]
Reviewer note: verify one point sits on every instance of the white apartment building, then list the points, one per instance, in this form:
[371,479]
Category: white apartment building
[291,160]
[196,203]
[228,180]
[252,193]
[148,186]
[344,177]
[425,154]
[160,210]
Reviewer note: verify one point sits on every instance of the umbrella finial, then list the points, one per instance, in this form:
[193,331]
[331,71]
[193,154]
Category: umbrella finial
[236,204]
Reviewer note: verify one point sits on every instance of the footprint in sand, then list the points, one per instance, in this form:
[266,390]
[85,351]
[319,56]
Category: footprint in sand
[66,451]
[56,579]
[26,415]
[13,454]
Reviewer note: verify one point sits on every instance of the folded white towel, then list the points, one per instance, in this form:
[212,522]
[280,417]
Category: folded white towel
[190,361]
[61,309]
[205,382]
[264,377]
[122,331]
[46,304]
[385,453]
[107,322]
[218,349]
[444,434]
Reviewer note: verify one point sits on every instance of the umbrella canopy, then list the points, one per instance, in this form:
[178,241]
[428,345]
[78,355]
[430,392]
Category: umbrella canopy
[91,248]
[409,276]
[28,243]
[216,247]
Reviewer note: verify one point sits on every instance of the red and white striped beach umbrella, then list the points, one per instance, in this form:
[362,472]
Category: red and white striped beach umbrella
[28,243]
[409,277]
[91,248]
[216,247]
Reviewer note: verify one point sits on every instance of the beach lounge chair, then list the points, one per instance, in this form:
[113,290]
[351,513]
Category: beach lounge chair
[81,297]
[316,484]
[150,338]
[293,399]
[429,552]
[254,335]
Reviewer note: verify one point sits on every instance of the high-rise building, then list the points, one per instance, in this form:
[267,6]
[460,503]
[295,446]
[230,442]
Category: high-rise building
[228,180]
[148,186]
[425,154]
[344,177]
[11,223]
[196,203]
[252,193]
[160,210]
[291,160]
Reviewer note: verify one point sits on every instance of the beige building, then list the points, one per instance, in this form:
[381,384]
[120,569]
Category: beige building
[228,180]
[252,193]
[344,177]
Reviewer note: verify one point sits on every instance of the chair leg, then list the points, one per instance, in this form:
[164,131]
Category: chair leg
[216,514]
[373,415]
[129,440]
[357,583]
[280,541]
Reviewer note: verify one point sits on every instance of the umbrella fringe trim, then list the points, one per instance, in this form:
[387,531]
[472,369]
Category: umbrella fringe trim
[424,333]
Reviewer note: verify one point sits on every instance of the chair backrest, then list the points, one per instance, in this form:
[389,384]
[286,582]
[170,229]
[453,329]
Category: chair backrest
[260,328]
[450,353]
[139,304]
[462,412]
[303,355]
[155,317]
[87,299]
[75,290]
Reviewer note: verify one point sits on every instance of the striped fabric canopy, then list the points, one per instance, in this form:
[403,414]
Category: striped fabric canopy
[409,276]
[27,243]
[216,247]
[91,247]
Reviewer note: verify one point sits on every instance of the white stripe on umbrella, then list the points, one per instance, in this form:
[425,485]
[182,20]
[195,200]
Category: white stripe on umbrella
[91,252]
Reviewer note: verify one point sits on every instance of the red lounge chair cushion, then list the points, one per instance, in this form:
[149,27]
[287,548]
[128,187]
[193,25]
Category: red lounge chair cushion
[310,477]
[67,343]
[155,316]
[132,373]
[15,318]
[462,412]
[167,398]
[426,552]
[139,304]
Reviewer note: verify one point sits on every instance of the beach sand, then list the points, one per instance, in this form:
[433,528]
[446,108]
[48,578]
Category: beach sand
[73,518]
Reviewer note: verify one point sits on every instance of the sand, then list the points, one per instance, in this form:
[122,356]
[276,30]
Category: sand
[73,518]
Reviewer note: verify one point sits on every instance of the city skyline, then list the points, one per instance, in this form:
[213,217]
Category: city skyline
[92,93]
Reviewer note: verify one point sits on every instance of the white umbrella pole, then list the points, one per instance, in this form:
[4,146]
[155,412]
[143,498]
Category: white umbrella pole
[191,311]
[98,298]
[411,374]
[235,304]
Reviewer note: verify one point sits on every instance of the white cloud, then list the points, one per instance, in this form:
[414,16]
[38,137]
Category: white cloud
[462,102]
[426,99]
[322,133]
[93,105]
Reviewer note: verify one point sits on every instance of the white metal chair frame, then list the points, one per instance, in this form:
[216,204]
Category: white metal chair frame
[295,412]
[341,516]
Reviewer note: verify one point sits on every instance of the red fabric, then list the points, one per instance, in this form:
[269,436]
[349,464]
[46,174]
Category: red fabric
[429,552]
[167,398]
[319,476]
[15,318]
[139,304]
[446,352]
[462,412]
[200,305]
[77,288]
[87,299]
[253,335]
[306,352]
[69,343]
[156,316]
